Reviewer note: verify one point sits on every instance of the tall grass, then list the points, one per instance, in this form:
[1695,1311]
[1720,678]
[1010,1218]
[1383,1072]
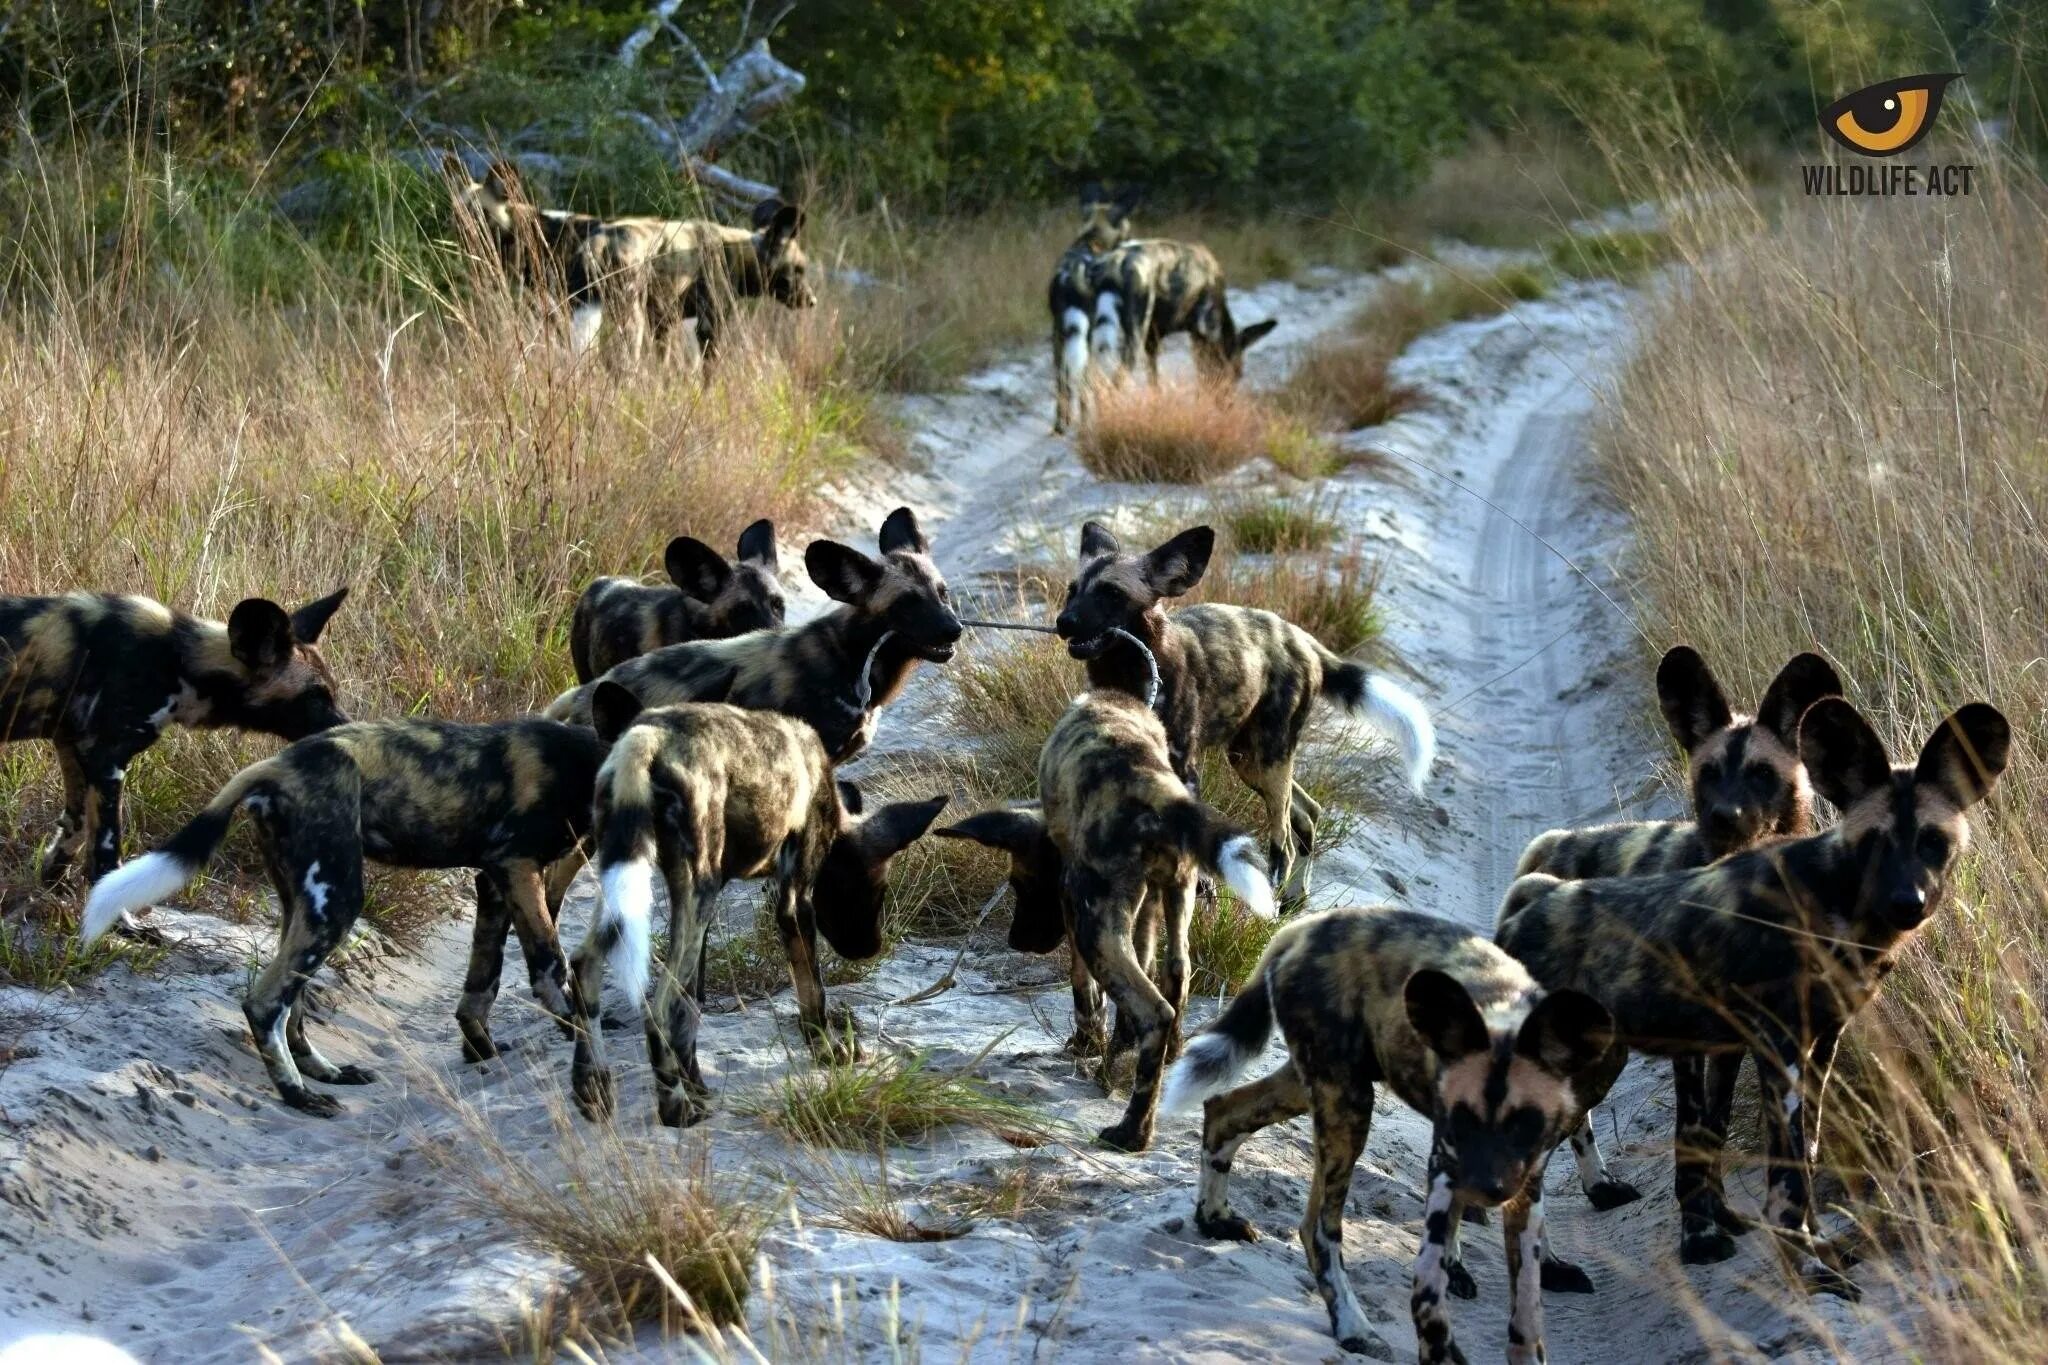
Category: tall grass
[1832,435]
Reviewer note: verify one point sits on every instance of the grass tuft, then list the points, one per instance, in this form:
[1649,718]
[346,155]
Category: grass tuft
[42,952]
[1175,431]
[884,1101]
[1626,255]
[1279,526]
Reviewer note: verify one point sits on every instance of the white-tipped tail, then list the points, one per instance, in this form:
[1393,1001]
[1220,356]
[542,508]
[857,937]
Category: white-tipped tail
[1401,716]
[627,916]
[1209,1065]
[1239,866]
[584,320]
[135,885]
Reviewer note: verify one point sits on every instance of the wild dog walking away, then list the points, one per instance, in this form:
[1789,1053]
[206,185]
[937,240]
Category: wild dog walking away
[1452,1025]
[1112,856]
[508,799]
[1105,222]
[1236,678]
[894,612]
[1747,785]
[706,794]
[1770,951]
[102,676]
[618,619]
[1150,289]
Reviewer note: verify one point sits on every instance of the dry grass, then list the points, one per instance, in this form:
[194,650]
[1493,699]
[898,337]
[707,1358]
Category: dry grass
[1177,431]
[1853,400]
[605,1205]
[1341,383]
[41,951]
[888,1100]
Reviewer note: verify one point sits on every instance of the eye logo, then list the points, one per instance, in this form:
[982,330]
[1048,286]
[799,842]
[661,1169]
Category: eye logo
[1887,118]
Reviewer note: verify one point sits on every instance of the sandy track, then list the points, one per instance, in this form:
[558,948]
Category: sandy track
[151,1189]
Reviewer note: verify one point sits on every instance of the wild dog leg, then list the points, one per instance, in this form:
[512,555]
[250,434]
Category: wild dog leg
[1341,1121]
[1701,1239]
[1227,1120]
[1603,1191]
[590,1079]
[1457,1276]
[1722,1070]
[1272,777]
[72,827]
[319,899]
[105,770]
[1434,1343]
[1103,921]
[486,964]
[534,921]
[1090,1038]
[1145,927]
[1176,905]
[1786,1092]
[674,1015]
[831,1040]
[1522,1231]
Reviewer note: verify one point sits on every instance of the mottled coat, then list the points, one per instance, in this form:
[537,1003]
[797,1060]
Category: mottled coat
[1235,678]
[1770,951]
[1747,786]
[101,677]
[1152,288]
[707,794]
[508,799]
[813,671]
[617,619]
[1109,862]
[1453,1026]
[1070,297]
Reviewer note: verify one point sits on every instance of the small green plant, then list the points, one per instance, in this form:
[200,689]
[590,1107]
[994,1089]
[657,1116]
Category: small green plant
[44,954]
[887,1100]
[1225,942]
[1279,525]
[1626,254]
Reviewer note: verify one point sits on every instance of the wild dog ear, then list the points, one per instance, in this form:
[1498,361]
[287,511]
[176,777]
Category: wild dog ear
[1175,567]
[1097,540]
[503,180]
[1966,754]
[1246,336]
[1799,684]
[1091,195]
[841,572]
[765,211]
[259,634]
[895,827]
[1693,704]
[1009,829]
[900,531]
[777,222]
[757,545]
[1567,1031]
[308,621]
[1441,1010]
[1842,754]
[1127,200]
[613,709]
[850,799]
[696,568]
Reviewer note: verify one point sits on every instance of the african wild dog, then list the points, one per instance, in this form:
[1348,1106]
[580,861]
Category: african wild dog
[1453,1026]
[619,619]
[813,671]
[1769,951]
[706,794]
[101,676]
[1235,677]
[1105,224]
[541,248]
[1150,289]
[1747,785]
[509,799]
[1111,857]
[668,271]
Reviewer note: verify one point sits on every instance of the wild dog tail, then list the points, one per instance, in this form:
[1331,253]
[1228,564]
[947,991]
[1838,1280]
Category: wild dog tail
[158,875]
[624,924]
[1389,708]
[1218,1055]
[1226,852]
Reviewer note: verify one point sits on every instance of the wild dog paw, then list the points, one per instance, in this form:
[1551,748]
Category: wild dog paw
[1728,1220]
[595,1097]
[1459,1280]
[479,1047]
[1225,1227]
[1562,1277]
[1086,1042]
[1705,1246]
[1125,1137]
[1367,1344]
[681,1111]
[351,1074]
[1821,1278]
[1612,1194]
[312,1102]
